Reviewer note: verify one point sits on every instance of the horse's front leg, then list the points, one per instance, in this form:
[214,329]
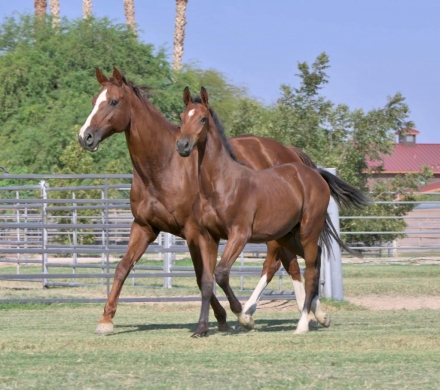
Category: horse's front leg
[208,250]
[140,238]
[271,265]
[234,246]
[193,239]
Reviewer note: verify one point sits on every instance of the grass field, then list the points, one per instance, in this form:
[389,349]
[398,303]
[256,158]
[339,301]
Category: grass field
[53,346]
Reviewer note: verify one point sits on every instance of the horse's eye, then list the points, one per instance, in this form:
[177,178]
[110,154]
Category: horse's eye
[203,120]
[113,102]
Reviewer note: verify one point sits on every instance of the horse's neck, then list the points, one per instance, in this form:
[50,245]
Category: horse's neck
[151,141]
[215,163]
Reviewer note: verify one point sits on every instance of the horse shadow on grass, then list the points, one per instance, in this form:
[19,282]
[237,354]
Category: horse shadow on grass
[262,325]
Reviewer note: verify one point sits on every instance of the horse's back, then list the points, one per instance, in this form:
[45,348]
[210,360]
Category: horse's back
[261,153]
[305,181]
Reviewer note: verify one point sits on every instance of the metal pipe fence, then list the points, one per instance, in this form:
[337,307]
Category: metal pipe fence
[80,224]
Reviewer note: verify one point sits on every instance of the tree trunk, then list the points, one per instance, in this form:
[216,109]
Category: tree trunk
[87,9]
[129,15]
[179,33]
[40,8]
[55,11]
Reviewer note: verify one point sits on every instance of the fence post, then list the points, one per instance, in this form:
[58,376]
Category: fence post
[333,287]
[167,280]
[75,237]
[17,195]
[107,237]
[43,187]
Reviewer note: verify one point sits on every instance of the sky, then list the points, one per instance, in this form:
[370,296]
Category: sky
[376,47]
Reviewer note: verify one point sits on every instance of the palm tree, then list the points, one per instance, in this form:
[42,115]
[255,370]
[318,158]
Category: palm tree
[55,11]
[129,15]
[179,33]
[40,7]
[87,9]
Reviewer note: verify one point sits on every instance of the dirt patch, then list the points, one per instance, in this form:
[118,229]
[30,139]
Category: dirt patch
[396,303]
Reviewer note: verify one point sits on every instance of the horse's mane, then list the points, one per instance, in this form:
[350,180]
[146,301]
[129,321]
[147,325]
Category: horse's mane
[142,92]
[221,129]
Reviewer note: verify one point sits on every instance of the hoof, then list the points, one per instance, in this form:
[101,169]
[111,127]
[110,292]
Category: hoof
[326,321]
[313,322]
[224,328]
[303,324]
[197,335]
[104,328]
[246,321]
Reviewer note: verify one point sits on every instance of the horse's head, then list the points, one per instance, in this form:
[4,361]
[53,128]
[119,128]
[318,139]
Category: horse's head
[195,122]
[110,114]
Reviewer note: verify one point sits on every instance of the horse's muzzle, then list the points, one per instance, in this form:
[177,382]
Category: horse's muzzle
[89,141]
[184,147]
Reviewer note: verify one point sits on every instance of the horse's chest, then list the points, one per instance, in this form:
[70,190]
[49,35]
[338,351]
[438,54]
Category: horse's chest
[160,215]
[208,217]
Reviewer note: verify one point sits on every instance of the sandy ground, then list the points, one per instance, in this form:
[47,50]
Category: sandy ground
[369,302]
[396,303]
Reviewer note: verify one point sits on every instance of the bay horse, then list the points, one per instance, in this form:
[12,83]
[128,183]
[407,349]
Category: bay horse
[163,191]
[286,203]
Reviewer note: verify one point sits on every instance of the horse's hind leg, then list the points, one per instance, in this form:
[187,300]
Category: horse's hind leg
[290,264]
[311,254]
[140,238]
[271,265]
[322,317]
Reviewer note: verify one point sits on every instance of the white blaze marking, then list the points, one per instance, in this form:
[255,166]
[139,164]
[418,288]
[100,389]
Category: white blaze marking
[101,98]
[191,113]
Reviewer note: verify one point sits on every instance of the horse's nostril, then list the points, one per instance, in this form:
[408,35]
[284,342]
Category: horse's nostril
[89,139]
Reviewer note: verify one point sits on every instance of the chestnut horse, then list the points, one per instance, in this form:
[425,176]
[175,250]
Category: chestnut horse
[286,203]
[163,189]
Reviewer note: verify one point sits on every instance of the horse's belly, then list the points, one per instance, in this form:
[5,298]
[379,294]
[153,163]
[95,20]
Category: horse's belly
[275,221]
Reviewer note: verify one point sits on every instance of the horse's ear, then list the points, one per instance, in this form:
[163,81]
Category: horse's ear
[100,77]
[118,76]
[204,96]
[186,96]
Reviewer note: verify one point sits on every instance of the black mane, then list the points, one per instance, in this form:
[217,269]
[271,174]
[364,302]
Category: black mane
[221,129]
[142,92]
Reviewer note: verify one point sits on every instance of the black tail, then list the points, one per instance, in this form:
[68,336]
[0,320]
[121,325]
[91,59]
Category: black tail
[347,196]
[330,232]
[344,194]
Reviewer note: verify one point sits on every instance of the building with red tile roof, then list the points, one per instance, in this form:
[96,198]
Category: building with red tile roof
[409,157]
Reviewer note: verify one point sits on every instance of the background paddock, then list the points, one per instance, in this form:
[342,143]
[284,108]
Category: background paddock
[44,345]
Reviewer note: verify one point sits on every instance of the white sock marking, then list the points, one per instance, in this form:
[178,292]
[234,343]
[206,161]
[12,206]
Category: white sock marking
[251,304]
[300,294]
[101,98]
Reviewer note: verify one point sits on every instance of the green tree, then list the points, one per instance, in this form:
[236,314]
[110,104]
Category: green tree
[335,136]
[47,82]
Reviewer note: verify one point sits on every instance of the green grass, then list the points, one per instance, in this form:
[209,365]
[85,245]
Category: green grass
[49,346]
[53,346]
[391,280]
[359,280]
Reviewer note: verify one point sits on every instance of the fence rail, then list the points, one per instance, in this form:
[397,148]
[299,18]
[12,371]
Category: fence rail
[86,218]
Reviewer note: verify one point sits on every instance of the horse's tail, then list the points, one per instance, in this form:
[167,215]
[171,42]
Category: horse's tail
[344,194]
[305,158]
[330,232]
